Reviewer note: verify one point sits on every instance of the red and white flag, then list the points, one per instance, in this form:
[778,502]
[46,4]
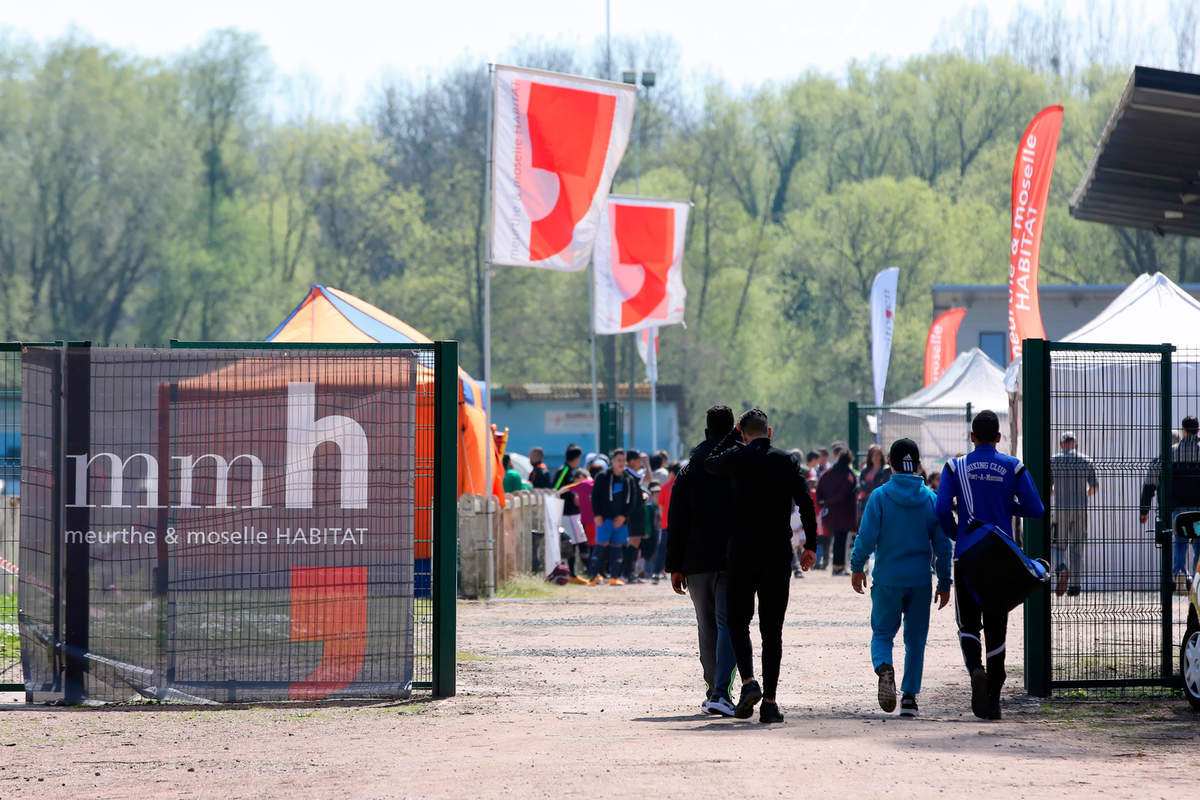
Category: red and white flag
[557,141]
[638,264]
[647,347]
[941,345]
[1031,174]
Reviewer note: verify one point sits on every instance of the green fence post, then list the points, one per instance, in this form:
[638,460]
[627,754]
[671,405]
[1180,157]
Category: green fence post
[1166,531]
[445,516]
[852,427]
[1035,388]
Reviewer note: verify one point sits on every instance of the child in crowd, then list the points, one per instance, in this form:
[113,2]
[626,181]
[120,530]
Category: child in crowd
[900,527]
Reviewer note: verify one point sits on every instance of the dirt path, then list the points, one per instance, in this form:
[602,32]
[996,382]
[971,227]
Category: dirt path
[596,693]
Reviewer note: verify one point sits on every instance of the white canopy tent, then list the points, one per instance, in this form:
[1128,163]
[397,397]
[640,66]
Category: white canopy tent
[936,417]
[1111,403]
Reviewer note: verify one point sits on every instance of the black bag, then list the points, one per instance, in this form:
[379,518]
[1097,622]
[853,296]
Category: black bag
[995,571]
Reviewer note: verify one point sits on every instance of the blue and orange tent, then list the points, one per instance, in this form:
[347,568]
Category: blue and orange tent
[331,315]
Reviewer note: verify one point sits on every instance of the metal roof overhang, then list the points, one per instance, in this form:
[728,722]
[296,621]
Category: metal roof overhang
[1145,172]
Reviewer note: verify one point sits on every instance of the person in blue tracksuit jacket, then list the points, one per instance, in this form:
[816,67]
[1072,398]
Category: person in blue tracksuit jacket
[900,527]
[989,487]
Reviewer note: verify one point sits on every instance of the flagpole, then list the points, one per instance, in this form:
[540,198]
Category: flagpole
[490,588]
[592,332]
[654,391]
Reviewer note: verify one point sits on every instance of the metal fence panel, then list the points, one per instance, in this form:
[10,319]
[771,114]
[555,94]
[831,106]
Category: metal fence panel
[1115,616]
[246,523]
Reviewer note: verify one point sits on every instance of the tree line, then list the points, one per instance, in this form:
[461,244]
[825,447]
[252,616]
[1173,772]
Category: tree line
[194,198]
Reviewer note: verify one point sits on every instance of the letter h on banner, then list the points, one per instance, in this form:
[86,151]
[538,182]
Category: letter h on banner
[306,433]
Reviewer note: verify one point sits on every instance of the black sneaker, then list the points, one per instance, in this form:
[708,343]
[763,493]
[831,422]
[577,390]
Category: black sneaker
[751,694]
[769,712]
[979,693]
[887,687]
[908,705]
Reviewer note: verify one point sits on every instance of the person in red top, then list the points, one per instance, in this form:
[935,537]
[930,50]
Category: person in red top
[583,494]
[664,503]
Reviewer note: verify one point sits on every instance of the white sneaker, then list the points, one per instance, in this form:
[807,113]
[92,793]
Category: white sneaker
[721,706]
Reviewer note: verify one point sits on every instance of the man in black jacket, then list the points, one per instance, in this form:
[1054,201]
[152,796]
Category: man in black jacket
[700,518]
[571,521]
[539,477]
[637,516]
[767,481]
[612,503]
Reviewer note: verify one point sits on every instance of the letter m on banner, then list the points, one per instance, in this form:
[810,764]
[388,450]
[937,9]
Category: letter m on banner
[639,264]
[557,141]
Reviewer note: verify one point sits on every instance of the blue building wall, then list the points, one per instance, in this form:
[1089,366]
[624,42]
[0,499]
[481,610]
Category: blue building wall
[554,424]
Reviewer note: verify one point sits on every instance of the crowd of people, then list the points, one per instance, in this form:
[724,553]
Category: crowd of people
[615,511]
[740,519]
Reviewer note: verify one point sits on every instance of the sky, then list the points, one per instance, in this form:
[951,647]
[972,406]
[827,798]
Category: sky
[347,46]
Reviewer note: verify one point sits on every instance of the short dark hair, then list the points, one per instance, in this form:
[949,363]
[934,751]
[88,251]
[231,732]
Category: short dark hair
[536,449]
[824,451]
[506,462]
[673,468]
[574,451]
[656,461]
[654,485]
[986,426]
[1190,424]
[811,455]
[619,451]
[595,468]
[718,421]
[631,454]
[754,422]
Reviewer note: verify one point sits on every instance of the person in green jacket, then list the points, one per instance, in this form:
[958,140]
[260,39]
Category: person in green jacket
[512,478]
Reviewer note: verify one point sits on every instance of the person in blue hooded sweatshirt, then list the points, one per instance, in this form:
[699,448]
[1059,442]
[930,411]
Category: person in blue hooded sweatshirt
[899,525]
[990,488]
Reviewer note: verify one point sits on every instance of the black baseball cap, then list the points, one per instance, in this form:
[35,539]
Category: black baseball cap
[905,456]
[1190,424]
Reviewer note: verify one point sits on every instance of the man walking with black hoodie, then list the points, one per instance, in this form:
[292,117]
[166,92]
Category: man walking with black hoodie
[700,520]
[767,482]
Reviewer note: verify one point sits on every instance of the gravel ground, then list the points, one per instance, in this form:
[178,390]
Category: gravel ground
[596,692]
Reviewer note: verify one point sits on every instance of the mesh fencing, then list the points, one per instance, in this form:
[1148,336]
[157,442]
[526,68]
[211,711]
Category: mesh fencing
[10,494]
[941,432]
[237,524]
[1116,616]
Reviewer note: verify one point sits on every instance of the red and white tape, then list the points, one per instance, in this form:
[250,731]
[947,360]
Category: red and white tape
[9,567]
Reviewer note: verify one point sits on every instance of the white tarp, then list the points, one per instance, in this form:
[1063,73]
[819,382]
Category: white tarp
[936,416]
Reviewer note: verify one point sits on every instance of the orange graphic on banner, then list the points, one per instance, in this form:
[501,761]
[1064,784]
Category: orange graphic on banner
[645,236]
[569,131]
[329,604]
[941,345]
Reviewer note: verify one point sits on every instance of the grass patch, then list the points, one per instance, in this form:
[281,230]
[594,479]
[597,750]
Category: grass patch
[533,587]
[10,640]
[463,657]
